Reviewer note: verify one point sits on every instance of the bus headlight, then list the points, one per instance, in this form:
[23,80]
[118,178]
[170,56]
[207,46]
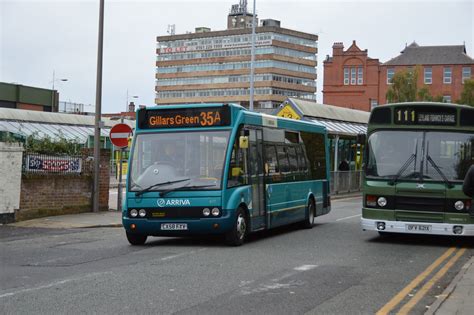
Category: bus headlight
[206,212]
[382,201]
[215,212]
[133,213]
[459,205]
[142,213]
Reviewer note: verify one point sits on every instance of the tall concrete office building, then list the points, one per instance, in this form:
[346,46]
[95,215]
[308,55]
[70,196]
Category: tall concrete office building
[214,66]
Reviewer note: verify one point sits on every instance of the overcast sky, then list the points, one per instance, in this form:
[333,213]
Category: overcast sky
[37,37]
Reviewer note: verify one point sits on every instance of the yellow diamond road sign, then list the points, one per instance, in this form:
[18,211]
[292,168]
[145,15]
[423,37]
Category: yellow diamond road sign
[288,112]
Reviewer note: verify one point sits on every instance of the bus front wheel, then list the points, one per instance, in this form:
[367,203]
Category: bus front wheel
[236,236]
[309,220]
[136,239]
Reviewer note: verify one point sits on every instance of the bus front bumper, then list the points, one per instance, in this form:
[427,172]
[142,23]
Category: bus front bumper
[417,227]
[154,227]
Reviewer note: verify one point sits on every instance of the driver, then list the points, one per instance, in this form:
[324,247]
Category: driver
[169,154]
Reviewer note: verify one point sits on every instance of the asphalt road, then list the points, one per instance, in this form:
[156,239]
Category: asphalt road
[334,268]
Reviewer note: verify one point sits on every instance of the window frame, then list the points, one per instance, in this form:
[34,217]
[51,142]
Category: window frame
[447,79]
[346,76]
[463,77]
[390,75]
[428,79]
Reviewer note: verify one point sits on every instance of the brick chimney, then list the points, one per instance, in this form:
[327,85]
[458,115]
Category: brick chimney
[131,107]
[337,48]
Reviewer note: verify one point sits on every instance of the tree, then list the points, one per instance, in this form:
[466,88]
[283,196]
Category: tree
[467,94]
[404,88]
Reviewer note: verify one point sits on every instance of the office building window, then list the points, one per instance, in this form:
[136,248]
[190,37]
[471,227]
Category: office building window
[360,76]
[346,76]
[353,75]
[447,75]
[466,73]
[390,74]
[428,75]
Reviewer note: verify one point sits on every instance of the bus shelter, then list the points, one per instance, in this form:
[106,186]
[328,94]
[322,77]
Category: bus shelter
[17,125]
[343,125]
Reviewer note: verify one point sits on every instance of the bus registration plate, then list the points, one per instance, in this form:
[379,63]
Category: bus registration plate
[174,226]
[418,228]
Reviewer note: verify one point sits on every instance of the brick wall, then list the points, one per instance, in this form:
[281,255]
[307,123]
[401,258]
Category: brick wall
[355,96]
[51,194]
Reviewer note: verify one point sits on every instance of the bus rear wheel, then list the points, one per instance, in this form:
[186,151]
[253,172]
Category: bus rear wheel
[136,239]
[236,236]
[309,220]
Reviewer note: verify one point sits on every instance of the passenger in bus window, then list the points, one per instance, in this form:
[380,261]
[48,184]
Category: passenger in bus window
[344,165]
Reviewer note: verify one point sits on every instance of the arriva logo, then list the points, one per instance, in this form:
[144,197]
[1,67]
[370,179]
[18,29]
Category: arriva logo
[173,202]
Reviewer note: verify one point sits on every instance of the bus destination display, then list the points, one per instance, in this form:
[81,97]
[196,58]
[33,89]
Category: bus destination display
[183,118]
[424,116]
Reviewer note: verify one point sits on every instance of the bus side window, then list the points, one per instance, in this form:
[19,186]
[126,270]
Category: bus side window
[293,159]
[236,175]
[283,159]
[271,163]
[316,152]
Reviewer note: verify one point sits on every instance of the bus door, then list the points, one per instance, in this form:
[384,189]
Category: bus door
[256,175]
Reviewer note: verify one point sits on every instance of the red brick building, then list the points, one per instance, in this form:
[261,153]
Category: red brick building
[351,78]
[349,75]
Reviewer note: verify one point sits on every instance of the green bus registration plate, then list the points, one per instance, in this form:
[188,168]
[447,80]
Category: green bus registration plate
[417,228]
[174,226]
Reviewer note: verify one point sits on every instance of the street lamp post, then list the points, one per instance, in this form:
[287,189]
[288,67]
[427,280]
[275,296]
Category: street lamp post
[53,94]
[128,103]
[98,104]
[252,60]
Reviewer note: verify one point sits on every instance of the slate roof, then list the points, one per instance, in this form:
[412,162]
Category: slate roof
[431,55]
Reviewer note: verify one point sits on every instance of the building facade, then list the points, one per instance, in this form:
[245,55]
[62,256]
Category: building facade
[442,69]
[27,97]
[353,80]
[214,66]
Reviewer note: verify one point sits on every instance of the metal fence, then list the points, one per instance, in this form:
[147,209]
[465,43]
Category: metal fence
[343,182]
[43,164]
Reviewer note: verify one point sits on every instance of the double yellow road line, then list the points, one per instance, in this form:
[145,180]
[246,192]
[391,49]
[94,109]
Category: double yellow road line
[453,252]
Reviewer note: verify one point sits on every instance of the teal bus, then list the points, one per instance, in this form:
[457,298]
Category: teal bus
[417,157]
[221,169]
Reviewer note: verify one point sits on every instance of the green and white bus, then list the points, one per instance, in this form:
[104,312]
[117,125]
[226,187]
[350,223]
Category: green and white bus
[417,157]
[220,169]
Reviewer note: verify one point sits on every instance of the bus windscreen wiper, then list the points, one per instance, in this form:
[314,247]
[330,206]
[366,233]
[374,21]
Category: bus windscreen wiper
[138,193]
[436,167]
[185,187]
[402,169]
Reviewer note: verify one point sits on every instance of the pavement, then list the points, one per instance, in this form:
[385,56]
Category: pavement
[457,298]
[72,221]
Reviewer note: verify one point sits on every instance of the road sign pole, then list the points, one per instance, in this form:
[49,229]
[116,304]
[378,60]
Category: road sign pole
[119,135]
[119,196]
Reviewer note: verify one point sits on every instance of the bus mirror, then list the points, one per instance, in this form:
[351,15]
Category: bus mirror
[236,171]
[244,142]
[361,137]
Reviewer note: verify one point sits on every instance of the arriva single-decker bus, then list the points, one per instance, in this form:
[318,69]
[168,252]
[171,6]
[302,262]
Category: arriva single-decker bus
[220,169]
[417,157]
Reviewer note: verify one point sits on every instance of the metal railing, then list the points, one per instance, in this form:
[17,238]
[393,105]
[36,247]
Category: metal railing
[343,182]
